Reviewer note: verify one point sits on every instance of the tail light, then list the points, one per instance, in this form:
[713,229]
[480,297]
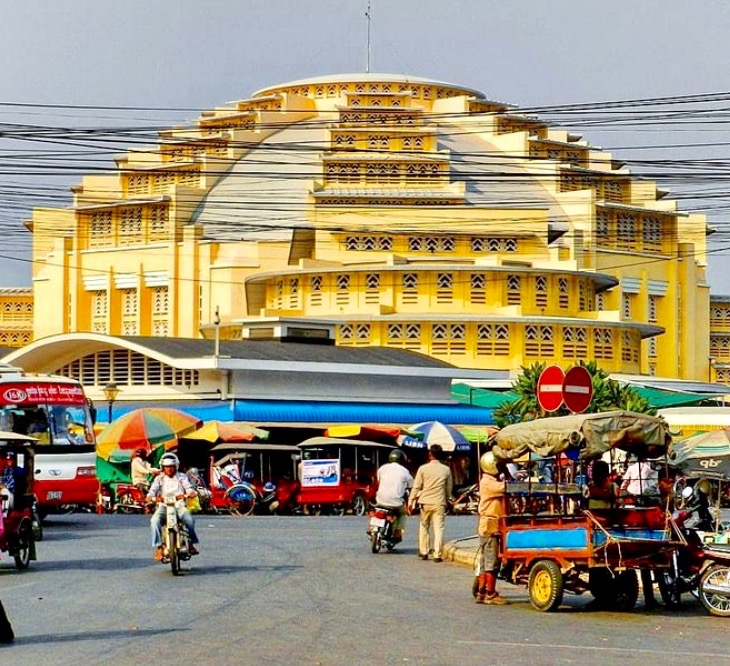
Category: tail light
[381,514]
[86,471]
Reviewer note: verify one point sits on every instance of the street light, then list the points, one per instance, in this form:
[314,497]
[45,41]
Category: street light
[110,393]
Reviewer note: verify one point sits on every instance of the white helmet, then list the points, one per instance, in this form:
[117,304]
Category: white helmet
[170,459]
[488,464]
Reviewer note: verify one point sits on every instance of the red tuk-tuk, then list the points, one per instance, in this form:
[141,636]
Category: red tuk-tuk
[16,498]
[339,475]
[253,477]
[552,542]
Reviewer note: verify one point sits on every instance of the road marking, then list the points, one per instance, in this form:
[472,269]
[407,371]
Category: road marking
[596,648]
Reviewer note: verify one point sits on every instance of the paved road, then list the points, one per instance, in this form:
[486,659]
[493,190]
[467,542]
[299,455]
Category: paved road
[306,590]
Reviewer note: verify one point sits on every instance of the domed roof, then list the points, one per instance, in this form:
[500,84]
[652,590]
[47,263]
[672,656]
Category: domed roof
[365,78]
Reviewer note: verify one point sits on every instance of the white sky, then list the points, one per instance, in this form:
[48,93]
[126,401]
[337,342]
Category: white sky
[195,54]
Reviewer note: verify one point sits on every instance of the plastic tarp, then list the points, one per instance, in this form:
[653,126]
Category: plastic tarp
[587,435]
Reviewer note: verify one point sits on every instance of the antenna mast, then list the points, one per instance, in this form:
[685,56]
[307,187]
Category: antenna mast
[367,15]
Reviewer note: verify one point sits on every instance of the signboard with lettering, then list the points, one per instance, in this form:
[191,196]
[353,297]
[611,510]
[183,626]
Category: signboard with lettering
[34,392]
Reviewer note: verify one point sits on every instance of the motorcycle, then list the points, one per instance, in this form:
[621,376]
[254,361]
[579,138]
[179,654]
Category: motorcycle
[129,499]
[381,528]
[175,541]
[466,502]
[702,567]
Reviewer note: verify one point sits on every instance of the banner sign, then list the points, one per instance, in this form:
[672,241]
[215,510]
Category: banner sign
[34,393]
[325,472]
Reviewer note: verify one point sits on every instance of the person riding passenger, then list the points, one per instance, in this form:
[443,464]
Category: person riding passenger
[171,482]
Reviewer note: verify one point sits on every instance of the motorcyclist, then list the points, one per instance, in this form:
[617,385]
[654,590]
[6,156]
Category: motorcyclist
[394,482]
[171,482]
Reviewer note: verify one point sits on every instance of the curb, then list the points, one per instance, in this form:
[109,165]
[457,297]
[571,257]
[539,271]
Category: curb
[462,551]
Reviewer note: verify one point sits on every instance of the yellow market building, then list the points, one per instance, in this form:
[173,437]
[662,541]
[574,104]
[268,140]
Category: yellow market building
[384,210]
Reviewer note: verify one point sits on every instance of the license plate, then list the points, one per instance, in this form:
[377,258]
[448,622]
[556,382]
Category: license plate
[377,522]
[54,495]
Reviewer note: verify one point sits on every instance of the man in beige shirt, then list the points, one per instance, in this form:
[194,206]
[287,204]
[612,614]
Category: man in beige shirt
[431,492]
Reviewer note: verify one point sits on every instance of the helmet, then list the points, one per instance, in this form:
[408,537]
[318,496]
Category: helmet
[488,464]
[269,487]
[170,460]
[704,486]
[396,456]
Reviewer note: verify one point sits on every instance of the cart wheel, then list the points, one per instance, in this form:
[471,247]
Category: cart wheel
[545,585]
[359,505]
[627,590]
[715,590]
[601,585]
[669,589]
[37,526]
[22,551]
[240,500]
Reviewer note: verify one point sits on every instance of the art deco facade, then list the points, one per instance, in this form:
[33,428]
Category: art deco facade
[400,212]
[16,316]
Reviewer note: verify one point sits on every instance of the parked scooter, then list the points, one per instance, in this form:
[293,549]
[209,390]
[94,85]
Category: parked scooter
[381,528]
[702,567]
[129,499]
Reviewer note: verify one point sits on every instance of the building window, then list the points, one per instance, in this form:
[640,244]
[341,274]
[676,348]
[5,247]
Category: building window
[603,343]
[315,290]
[514,290]
[478,293]
[575,342]
[100,229]
[158,223]
[342,297]
[372,288]
[626,231]
[603,235]
[493,340]
[539,341]
[600,302]
[626,306]
[410,288]
[444,288]
[653,309]
[407,336]
[541,291]
[563,293]
[130,226]
[448,339]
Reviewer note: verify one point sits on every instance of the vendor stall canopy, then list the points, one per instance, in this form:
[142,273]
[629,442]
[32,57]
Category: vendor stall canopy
[586,435]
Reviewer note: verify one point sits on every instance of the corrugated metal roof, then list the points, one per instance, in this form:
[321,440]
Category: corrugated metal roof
[299,412]
[267,350]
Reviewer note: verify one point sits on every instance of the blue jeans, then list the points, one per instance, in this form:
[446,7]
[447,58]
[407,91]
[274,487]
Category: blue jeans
[158,520]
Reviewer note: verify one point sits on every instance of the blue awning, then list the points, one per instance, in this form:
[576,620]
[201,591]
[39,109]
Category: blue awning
[311,411]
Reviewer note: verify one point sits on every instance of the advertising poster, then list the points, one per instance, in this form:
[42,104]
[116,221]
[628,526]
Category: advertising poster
[325,472]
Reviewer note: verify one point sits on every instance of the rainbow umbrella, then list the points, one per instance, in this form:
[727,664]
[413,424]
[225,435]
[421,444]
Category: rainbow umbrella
[147,428]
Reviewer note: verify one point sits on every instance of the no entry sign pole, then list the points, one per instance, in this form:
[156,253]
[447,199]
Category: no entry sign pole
[550,388]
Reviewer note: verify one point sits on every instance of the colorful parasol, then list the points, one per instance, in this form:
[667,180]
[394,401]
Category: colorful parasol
[435,432]
[216,432]
[706,454]
[147,428]
[365,432]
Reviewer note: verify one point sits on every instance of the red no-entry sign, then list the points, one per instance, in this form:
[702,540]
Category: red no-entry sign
[550,388]
[577,389]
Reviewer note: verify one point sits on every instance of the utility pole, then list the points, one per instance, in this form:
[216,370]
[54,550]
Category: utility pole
[217,323]
[367,15]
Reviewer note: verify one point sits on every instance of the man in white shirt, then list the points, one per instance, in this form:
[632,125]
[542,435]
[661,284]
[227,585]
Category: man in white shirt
[640,480]
[394,481]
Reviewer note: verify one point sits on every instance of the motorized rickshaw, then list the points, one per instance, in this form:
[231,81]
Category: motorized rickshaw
[253,477]
[339,475]
[16,508]
[552,542]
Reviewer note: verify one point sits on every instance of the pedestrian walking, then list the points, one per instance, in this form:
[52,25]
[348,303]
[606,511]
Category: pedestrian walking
[431,493]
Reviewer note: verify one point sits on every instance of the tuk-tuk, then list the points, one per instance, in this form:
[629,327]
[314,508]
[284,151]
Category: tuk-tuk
[17,501]
[339,475]
[253,477]
[552,541]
